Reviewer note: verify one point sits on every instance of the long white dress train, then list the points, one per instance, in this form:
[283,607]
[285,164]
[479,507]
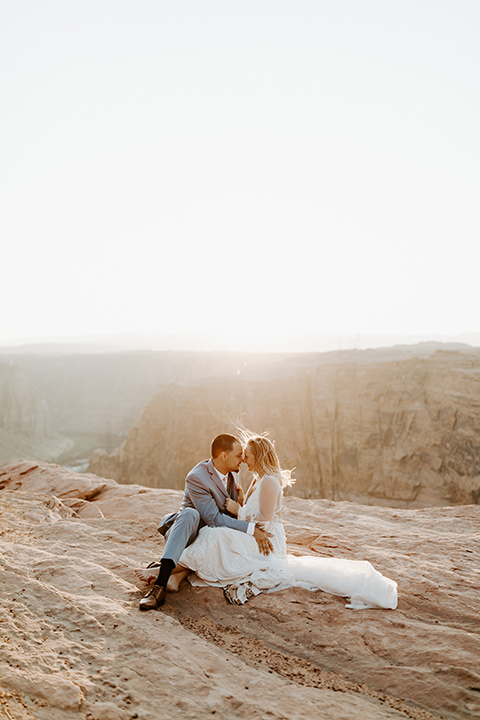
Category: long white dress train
[225,557]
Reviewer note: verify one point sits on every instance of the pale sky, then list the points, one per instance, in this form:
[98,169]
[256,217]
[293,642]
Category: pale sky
[248,169]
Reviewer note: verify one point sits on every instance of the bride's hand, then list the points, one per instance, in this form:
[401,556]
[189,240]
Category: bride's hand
[240,494]
[263,539]
[231,506]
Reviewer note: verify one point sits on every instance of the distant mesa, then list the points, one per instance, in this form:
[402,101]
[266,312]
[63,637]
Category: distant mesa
[392,426]
[397,432]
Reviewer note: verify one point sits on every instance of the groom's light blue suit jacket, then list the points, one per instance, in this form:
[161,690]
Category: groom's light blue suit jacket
[205,492]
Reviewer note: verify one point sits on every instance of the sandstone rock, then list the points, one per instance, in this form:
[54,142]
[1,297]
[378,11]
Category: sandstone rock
[26,427]
[52,479]
[402,433]
[58,405]
[74,644]
[23,409]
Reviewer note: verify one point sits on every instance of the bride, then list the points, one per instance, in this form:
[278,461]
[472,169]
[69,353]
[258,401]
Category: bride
[226,558]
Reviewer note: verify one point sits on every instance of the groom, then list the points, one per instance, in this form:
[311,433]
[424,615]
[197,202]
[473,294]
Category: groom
[207,487]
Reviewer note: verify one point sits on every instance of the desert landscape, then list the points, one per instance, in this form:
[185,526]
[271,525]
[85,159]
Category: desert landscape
[385,446]
[74,644]
[220,217]
[396,426]
[362,427]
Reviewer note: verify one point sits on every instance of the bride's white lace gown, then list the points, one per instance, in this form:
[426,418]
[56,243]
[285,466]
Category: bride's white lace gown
[222,557]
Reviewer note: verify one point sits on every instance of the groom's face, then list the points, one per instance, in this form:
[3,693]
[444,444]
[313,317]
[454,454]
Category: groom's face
[234,458]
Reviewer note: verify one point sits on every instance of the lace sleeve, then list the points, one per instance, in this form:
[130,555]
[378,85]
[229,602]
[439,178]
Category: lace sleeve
[270,498]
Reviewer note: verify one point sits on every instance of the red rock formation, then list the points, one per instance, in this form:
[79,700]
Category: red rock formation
[402,433]
[74,645]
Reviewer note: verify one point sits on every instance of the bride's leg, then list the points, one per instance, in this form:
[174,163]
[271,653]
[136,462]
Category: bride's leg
[178,575]
[150,573]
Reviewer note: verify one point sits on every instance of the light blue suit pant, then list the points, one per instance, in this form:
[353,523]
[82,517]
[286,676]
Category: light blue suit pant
[183,532]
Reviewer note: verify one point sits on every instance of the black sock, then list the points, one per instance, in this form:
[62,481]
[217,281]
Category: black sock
[166,567]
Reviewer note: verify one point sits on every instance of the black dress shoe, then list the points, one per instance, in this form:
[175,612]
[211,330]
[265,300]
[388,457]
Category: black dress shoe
[154,598]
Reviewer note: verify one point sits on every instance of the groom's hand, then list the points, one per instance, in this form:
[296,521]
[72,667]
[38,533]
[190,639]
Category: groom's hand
[263,539]
[232,507]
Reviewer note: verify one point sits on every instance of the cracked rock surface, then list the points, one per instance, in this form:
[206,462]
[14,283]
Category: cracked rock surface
[73,643]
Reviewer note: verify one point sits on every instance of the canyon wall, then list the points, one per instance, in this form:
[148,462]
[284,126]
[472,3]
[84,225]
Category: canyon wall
[26,423]
[404,433]
[59,407]
[22,407]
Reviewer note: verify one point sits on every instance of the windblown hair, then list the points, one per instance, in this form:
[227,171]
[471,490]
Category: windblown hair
[224,442]
[266,458]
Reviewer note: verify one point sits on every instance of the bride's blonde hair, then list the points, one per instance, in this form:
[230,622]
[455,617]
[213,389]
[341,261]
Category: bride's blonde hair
[266,458]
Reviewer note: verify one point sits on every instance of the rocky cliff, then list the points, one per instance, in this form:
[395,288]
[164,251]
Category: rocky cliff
[403,433]
[55,405]
[26,423]
[23,409]
[74,645]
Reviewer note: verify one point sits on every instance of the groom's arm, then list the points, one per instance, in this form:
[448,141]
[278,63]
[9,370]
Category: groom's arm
[208,508]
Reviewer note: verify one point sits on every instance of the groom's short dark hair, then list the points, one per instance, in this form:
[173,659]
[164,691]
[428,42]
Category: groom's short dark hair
[224,442]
